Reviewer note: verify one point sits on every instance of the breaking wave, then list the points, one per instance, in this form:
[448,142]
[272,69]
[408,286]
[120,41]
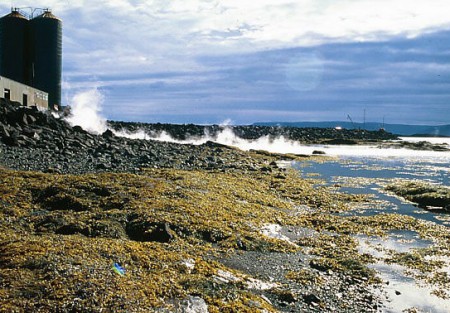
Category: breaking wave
[86,111]
[86,107]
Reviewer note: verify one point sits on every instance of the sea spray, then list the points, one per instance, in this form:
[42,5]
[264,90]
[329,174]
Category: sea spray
[86,111]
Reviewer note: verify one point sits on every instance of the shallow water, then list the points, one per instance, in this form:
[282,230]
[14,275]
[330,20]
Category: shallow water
[401,291]
[368,175]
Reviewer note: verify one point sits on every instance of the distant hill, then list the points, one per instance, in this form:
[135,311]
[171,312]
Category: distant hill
[398,129]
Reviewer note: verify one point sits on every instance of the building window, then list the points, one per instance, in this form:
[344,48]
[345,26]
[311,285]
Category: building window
[7,94]
[41,95]
[25,100]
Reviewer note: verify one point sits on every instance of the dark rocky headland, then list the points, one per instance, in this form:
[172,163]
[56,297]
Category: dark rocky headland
[101,223]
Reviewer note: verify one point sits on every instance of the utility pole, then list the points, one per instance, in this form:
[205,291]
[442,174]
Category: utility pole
[364,123]
[349,118]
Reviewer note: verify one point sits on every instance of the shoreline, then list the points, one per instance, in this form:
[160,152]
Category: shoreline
[201,226]
[198,233]
[160,210]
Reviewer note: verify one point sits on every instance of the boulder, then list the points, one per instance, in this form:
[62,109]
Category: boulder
[311,298]
[108,134]
[4,132]
[11,140]
[192,304]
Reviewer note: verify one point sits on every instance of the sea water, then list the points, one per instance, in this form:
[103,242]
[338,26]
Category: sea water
[367,170]
[369,175]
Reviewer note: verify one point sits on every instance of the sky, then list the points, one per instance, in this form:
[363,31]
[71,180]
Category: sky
[247,61]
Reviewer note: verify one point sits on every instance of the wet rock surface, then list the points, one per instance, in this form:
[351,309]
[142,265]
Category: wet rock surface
[426,195]
[306,289]
[420,145]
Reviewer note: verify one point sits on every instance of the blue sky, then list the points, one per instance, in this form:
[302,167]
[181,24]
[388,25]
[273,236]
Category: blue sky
[245,61]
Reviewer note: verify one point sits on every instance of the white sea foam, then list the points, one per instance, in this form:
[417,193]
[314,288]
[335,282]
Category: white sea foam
[284,145]
[87,113]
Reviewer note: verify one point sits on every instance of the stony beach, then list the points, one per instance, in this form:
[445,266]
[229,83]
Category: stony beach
[101,223]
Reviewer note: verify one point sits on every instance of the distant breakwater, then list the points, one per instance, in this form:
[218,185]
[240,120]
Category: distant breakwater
[252,132]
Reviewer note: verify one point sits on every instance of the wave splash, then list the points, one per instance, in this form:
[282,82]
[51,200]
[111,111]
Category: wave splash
[86,111]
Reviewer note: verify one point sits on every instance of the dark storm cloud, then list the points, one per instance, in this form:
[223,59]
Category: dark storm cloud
[405,80]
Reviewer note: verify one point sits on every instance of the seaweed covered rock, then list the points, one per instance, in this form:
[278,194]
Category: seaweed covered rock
[168,230]
[426,195]
[142,231]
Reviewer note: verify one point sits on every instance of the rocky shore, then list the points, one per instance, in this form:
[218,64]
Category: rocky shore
[33,140]
[100,223]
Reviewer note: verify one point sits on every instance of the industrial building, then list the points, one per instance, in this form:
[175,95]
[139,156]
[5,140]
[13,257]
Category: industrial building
[31,55]
[25,95]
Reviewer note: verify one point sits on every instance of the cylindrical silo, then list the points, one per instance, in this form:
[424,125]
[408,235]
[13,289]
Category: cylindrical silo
[14,47]
[46,62]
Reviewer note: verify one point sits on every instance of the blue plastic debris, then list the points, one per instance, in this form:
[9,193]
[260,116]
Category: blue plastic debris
[118,269]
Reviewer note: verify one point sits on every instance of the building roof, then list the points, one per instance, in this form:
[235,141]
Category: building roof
[15,14]
[47,14]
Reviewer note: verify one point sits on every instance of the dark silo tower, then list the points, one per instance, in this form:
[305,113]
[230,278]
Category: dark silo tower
[46,55]
[15,49]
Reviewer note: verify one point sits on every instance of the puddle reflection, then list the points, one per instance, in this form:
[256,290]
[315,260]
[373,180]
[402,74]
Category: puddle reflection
[355,175]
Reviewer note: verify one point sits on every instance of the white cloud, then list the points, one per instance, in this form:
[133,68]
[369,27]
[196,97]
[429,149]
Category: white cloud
[163,31]
[158,35]
[130,38]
